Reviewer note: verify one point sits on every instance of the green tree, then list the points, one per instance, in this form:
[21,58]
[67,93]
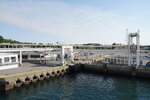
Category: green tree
[1,39]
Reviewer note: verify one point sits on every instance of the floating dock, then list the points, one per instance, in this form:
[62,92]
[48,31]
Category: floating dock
[28,73]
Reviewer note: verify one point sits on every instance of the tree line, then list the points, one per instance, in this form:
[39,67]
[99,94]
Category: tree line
[3,40]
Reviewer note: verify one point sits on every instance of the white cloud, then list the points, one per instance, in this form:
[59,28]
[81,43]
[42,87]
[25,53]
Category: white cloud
[75,23]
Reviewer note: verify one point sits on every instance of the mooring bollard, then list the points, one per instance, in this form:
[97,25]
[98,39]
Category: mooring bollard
[35,79]
[53,74]
[18,83]
[6,86]
[47,75]
[41,77]
[27,81]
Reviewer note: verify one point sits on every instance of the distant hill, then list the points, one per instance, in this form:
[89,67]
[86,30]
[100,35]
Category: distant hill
[3,40]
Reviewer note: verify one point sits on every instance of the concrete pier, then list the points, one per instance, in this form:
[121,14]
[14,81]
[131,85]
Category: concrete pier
[31,73]
[28,73]
[120,70]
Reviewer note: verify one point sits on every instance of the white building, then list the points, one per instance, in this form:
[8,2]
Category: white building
[8,61]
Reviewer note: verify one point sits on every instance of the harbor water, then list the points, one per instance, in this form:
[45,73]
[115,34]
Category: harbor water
[82,86]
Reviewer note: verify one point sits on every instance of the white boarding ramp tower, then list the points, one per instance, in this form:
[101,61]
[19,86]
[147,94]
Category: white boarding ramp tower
[71,57]
[134,50]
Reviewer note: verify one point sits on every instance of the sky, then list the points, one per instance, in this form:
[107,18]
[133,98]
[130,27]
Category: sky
[74,21]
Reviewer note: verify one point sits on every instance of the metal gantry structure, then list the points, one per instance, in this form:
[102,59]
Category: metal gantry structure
[134,50]
[63,53]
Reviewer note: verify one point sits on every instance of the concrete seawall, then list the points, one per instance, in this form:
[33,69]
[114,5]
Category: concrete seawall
[8,82]
[122,70]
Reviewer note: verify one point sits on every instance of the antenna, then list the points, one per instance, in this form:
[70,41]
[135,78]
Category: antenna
[139,32]
[126,36]
[127,31]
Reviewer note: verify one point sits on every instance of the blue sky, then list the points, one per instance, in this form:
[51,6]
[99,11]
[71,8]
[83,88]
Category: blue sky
[74,21]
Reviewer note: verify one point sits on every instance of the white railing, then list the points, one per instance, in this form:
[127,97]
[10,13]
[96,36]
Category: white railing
[23,49]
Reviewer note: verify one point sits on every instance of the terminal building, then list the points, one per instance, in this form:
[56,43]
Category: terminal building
[8,61]
[131,54]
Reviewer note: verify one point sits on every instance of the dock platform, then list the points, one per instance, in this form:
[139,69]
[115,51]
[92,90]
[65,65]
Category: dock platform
[28,73]
[116,69]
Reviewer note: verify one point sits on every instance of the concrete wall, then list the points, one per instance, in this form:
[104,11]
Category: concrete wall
[120,70]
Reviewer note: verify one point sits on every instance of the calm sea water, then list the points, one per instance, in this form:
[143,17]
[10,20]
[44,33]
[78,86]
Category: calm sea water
[83,86]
